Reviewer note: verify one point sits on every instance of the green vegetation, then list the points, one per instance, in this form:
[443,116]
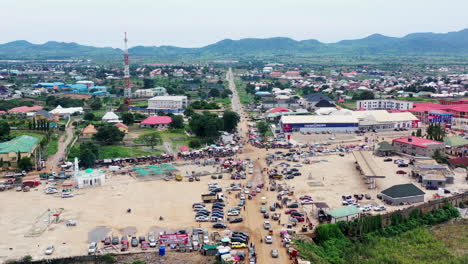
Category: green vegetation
[177,137]
[52,147]
[110,152]
[244,97]
[364,240]
[109,134]
[262,128]
[230,120]
[206,126]
[6,105]
[151,139]
[418,99]
[52,102]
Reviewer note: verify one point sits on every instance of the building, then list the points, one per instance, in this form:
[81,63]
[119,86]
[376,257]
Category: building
[66,112]
[313,123]
[311,100]
[416,146]
[160,122]
[384,149]
[144,93]
[346,213]
[383,104]
[24,145]
[170,104]
[88,131]
[43,114]
[24,109]
[111,117]
[456,146]
[402,194]
[89,178]
[383,120]
[122,127]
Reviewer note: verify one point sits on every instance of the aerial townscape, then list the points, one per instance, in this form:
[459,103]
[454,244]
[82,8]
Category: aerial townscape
[257,150]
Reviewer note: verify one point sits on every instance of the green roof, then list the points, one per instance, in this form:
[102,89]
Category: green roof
[455,141]
[207,247]
[23,144]
[343,211]
[385,146]
[403,190]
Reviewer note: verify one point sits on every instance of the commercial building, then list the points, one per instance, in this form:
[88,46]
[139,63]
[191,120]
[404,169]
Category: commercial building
[403,193]
[312,123]
[382,120]
[66,112]
[383,104]
[416,146]
[22,146]
[170,104]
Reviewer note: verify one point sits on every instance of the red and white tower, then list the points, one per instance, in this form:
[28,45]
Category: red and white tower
[127,88]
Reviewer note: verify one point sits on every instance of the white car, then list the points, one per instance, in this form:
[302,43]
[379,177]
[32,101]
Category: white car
[242,196]
[206,239]
[49,250]
[307,201]
[266,225]
[380,208]
[366,208]
[67,195]
[51,190]
[268,240]
[92,249]
[251,165]
[233,213]
[246,191]
[250,171]
[298,165]
[202,219]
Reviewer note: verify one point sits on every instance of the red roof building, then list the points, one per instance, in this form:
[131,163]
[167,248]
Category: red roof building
[156,122]
[278,110]
[417,146]
[24,109]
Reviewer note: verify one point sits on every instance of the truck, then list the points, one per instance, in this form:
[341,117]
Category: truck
[209,197]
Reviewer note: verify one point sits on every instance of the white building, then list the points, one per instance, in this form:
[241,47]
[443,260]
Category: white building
[89,178]
[144,93]
[382,104]
[111,117]
[66,112]
[172,104]
[267,69]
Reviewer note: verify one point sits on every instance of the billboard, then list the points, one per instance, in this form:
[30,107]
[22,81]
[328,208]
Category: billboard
[173,239]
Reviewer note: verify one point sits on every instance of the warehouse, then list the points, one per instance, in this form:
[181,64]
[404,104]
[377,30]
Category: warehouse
[403,193]
[312,123]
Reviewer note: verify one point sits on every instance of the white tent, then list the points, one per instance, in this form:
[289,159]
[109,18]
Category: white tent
[111,117]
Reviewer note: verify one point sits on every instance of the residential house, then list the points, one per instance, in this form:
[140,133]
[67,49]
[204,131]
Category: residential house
[122,127]
[311,100]
[160,122]
[111,117]
[88,131]
[22,146]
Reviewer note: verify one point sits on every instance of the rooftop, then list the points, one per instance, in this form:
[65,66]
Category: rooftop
[343,211]
[23,144]
[455,141]
[25,109]
[300,119]
[157,120]
[403,190]
[417,141]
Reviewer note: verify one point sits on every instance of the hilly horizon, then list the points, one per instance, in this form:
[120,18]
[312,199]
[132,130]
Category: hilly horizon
[415,44]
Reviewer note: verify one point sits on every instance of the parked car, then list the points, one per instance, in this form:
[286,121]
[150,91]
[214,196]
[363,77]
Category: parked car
[233,213]
[403,165]
[219,225]
[49,250]
[107,241]
[236,220]
[238,245]
[144,245]
[67,195]
[387,159]
[115,240]
[92,248]
[293,205]
[262,210]
[134,242]
[400,172]
[124,246]
[274,253]
[290,211]
[266,225]
[380,208]
[268,239]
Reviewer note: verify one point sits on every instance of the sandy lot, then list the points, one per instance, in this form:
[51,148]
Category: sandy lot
[103,206]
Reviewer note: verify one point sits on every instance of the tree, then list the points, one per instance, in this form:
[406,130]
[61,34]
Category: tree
[435,132]
[148,83]
[151,139]
[89,116]
[195,143]
[96,104]
[25,163]
[262,128]
[419,132]
[87,158]
[439,157]
[364,95]
[207,125]
[109,134]
[4,129]
[230,120]
[128,119]
[214,93]
[177,122]
[91,147]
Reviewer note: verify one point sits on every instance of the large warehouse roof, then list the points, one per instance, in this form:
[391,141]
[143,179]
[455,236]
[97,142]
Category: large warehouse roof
[384,116]
[403,190]
[313,119]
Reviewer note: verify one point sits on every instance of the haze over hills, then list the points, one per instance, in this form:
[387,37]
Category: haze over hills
[419,44]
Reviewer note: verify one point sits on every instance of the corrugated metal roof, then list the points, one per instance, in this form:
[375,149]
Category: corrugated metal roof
[300,119]
[343,211]
[23,144]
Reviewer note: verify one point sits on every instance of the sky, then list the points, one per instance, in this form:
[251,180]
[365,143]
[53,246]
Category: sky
[195,23]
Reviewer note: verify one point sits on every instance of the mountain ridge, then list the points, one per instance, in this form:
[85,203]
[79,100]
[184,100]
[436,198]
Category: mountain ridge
[425,43]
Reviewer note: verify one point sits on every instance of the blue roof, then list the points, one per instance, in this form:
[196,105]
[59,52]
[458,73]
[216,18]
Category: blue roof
[262,93]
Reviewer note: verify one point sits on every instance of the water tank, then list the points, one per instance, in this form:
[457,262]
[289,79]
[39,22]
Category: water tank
[162,250]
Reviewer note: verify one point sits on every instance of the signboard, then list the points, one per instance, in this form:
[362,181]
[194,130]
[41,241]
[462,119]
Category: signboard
[173,239]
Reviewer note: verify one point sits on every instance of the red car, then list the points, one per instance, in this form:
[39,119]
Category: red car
[260,185]
[305,197]
[299,218]
[290,211]
[253,193]
[401,172]
[144,245]
[124,245]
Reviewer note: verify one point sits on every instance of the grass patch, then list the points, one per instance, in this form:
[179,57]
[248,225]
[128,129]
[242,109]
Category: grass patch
[177,137]
[244,97]
[418,99]
[225,102]
[17,133]
[351,104]
[110,152]
[454,236]
[52,147]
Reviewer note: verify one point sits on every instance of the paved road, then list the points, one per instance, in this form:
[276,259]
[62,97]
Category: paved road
[253,219]
[53,162]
